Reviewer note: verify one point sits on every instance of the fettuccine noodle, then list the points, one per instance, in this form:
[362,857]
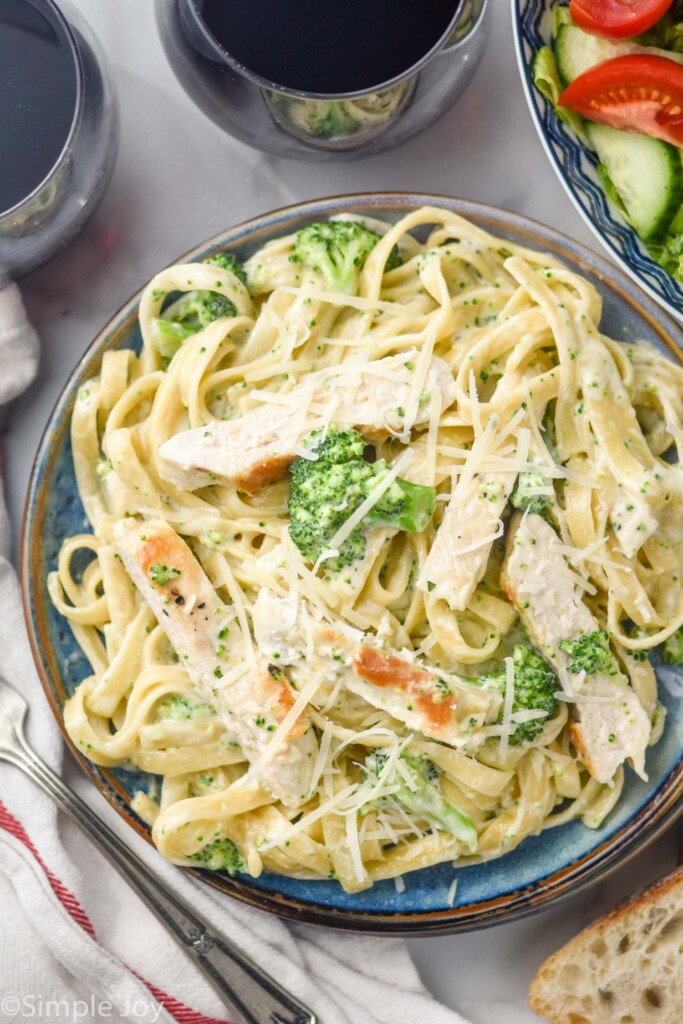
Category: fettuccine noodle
[535,387]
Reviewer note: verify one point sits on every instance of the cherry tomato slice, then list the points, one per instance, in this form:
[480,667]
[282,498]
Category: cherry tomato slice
[637,93]
[617,19]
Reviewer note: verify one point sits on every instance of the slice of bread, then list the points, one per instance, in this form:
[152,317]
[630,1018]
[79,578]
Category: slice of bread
[626,968]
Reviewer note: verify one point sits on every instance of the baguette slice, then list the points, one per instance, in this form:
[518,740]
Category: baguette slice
[626,968]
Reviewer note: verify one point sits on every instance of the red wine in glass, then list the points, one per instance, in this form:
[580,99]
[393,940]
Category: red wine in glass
[38,98]
[327,46]
[323,78]
[58,129]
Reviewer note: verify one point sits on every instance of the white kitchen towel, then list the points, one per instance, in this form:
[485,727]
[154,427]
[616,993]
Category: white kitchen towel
[76,944]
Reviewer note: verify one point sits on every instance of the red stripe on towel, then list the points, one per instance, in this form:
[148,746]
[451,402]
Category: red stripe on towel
[183,1014]
[10,824]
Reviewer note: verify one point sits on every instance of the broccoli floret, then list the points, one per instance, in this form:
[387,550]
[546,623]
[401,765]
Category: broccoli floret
[520,497]
[326,491]
[337,250]
[535,686]
[393,260]
[171,335]
[331,119]
[182,709]
[227,261]
[423,796]
[590,653]
[672,648]
[336,445]
[199,309]
[196,310]
[221,855]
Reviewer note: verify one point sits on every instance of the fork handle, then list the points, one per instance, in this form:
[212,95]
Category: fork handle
[253,996]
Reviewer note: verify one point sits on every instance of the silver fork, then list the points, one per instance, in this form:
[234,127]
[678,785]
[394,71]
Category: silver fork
[248,992]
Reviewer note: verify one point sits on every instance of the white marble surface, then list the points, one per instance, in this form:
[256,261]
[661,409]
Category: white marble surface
[179,180]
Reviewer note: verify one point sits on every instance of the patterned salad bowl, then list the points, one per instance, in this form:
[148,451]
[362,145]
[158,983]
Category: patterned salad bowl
[576,165]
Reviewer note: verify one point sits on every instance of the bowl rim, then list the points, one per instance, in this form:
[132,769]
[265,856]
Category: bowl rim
[642,828]
[614,251]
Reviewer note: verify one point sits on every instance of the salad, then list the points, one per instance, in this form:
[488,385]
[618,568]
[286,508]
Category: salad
[614,73]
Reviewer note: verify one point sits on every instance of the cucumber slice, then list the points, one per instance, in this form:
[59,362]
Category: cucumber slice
[645,172]
[577,51]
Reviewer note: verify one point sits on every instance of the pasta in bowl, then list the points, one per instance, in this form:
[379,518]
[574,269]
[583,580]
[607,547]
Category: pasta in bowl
[380,537]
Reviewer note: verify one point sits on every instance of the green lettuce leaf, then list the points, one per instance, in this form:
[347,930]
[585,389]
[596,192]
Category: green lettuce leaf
[667,34]
[669,252]
[548,82]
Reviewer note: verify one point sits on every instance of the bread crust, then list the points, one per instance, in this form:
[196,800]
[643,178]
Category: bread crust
[670,886]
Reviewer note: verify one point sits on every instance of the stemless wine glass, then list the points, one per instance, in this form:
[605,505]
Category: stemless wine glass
[51,213]
[289,122]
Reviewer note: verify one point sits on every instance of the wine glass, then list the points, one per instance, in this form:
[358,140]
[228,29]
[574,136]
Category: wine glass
[320,125]
[55,85]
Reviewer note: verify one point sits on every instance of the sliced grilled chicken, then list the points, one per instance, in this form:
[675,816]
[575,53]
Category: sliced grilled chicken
[248,452]
[171,581]
[611,726]
[458,557]
[445,708]
[379,397]
[276,627]
[257,448]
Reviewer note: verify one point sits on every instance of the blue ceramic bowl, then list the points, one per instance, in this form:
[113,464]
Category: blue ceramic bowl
[575,164]
[544,868]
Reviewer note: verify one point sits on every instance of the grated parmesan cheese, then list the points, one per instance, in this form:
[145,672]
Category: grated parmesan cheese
[308,819]
[527,715]
[576,579]
[324,556]
[432,435]
[418,380]
[566,683]
[475,545]
[540,444]
[507,707]
[475,408]
[323,753]
[350,524]
[523,442]
[588,554]
[390,832]
[406,775]
[305,453]
[354,845]
[341,299]
[237,599]
[583,698]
